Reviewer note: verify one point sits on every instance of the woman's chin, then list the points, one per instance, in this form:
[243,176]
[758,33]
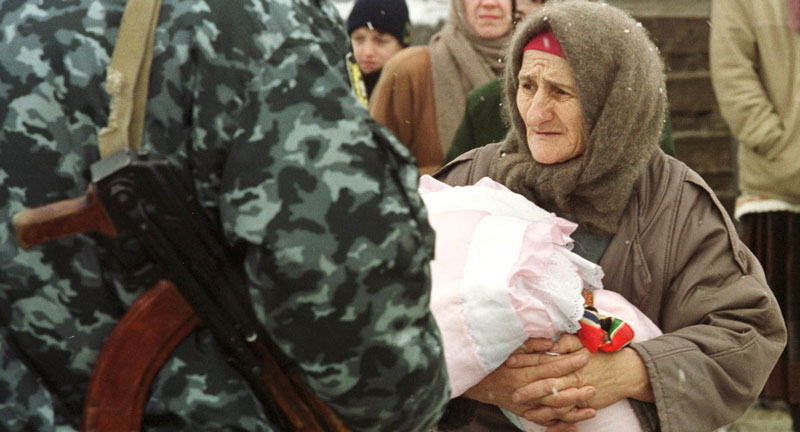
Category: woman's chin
[549,153]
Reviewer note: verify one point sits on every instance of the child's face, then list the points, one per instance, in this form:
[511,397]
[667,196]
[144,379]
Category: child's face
[373,48]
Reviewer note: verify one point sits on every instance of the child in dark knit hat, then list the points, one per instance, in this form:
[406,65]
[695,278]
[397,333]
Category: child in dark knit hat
[378,29]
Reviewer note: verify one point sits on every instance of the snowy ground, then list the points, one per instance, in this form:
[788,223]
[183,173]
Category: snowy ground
[420,11]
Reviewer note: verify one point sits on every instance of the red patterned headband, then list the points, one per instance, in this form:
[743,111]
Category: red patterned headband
[545,41]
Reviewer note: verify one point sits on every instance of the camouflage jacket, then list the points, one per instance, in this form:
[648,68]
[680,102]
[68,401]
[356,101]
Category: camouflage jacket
[252,101]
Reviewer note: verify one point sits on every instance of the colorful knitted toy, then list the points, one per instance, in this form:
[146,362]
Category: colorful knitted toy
[600,332]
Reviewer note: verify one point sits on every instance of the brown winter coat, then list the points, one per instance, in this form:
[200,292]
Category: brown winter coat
[676,256]
[403,101]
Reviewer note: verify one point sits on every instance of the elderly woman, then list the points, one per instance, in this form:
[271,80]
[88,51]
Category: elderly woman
[585,92]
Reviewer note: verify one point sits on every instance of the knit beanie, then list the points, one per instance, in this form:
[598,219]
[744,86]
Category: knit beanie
[389,16]
[620,82]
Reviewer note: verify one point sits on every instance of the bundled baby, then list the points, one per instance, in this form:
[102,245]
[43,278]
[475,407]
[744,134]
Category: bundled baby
[504,272]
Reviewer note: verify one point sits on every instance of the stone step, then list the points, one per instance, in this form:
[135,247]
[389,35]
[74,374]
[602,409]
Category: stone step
[710,153]
[690,92]
[664,9]
[683,42]
[706,151]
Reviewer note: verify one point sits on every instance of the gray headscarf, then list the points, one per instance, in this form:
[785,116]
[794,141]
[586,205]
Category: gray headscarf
[621,86]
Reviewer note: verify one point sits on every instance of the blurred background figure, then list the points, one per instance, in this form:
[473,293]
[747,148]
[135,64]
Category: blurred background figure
[422,93]
[378,30]
[755,71]
[484,123]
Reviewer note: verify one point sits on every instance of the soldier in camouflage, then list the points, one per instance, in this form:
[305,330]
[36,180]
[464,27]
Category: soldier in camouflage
[251,100]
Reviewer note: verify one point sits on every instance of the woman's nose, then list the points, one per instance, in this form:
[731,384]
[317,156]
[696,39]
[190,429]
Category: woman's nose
[541,108]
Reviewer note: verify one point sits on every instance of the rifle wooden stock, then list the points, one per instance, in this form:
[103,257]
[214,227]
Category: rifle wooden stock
[62,219]
[293,396]
[329,419]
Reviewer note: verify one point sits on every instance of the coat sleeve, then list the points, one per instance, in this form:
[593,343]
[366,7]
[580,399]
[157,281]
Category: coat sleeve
[723,330]
[734,61]
[322,201]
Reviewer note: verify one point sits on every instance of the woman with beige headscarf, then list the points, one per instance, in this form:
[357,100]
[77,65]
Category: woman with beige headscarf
[585,92]
[422,91]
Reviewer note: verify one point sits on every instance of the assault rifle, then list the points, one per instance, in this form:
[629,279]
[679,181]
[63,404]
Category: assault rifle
[137,194]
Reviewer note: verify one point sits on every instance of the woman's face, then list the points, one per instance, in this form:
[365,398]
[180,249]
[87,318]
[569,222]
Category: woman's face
[547,100]
[490,19]
[373,48]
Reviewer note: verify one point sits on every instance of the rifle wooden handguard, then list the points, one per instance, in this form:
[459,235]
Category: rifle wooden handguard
[132,356]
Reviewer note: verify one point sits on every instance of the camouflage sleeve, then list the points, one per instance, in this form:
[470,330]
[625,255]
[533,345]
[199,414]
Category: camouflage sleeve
[20,390]
[251,98]
[337,241]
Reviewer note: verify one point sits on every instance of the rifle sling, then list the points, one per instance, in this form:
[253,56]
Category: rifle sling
[128,77]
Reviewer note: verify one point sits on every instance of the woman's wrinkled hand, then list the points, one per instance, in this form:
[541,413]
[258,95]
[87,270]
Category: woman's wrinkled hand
[533,367]
[614,376]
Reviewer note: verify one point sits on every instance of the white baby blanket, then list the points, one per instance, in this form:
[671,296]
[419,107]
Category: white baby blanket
[503,272]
